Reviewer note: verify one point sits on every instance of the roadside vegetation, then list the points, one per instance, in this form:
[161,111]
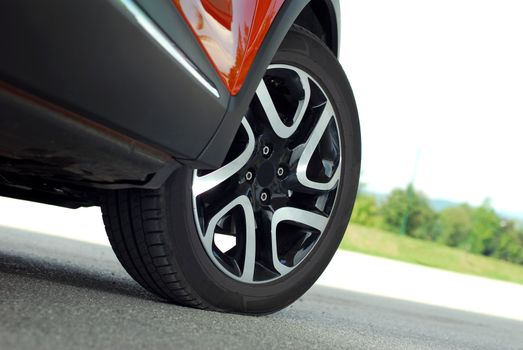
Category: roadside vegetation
[385,244]
[460,238]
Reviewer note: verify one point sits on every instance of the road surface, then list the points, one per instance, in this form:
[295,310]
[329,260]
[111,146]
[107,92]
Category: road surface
[57,293]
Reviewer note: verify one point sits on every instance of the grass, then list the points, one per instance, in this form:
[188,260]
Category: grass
[389,245]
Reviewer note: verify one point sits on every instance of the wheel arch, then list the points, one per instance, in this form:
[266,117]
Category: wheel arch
[321,17]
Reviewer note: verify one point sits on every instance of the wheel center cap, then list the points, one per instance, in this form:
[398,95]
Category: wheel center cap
[265,174]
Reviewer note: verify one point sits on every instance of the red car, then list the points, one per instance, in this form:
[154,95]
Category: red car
[220,137]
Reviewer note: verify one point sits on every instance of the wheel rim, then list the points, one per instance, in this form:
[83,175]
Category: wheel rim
[262,213]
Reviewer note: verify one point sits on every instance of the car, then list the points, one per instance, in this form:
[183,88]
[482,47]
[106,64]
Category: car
[220,138]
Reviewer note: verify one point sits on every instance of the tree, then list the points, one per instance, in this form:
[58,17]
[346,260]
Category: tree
[508,244]
[455,225]
[366,211]
[411,210]
[486,226]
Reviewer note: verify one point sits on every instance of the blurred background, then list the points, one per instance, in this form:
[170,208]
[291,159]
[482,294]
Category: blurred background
[439,86]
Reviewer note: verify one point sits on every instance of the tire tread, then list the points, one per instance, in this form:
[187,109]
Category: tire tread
[134,221]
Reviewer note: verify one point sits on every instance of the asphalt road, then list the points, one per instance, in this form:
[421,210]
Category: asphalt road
[62,294]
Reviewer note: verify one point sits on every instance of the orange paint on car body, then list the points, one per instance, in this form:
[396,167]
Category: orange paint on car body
[231,33]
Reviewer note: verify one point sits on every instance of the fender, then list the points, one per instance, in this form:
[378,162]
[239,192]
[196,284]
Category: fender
[230,32]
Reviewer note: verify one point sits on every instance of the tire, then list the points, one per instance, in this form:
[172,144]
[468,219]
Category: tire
[157,234]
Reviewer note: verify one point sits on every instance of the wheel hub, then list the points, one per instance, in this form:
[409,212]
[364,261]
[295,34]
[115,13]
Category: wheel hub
[266,174]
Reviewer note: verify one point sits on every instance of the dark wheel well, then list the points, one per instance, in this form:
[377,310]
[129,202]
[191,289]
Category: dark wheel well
[319,18]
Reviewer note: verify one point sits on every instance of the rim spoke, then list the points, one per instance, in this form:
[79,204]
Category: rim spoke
[310,147]
[267,103]
[249,262]
[250,234]
[305,217]
[204,183]
[276,217]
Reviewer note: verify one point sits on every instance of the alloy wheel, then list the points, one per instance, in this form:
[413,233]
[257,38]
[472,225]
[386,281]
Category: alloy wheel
[261,213]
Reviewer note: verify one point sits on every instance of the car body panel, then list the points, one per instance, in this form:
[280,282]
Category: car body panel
[231,33]
[94,58]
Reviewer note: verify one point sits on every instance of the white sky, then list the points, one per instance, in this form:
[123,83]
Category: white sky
[443,79]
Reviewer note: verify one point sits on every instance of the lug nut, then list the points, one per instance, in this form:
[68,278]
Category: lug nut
[266,150]
[264,196]
[280,172]
[249,175]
